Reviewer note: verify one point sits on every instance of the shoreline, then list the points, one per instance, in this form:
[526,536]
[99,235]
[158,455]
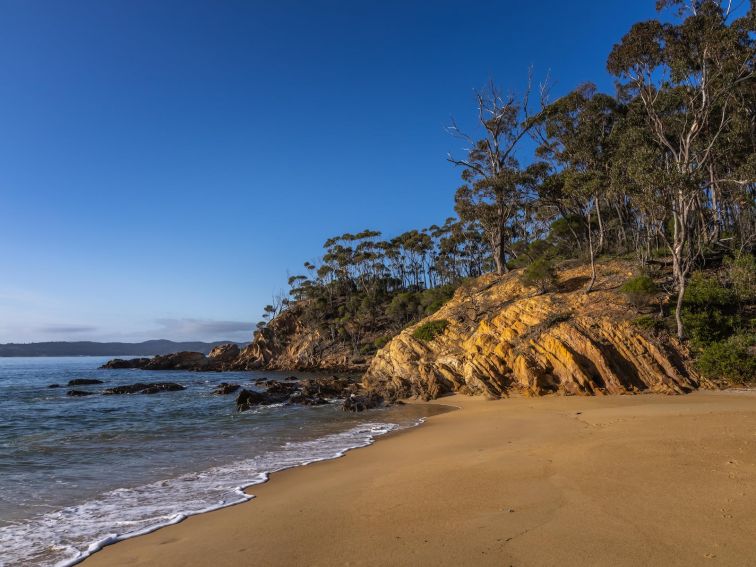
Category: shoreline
[646,479]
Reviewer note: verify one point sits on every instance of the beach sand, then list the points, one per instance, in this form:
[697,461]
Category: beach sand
[621,480]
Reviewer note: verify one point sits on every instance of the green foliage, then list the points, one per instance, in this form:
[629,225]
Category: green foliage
[732,359]
[430,330]
[540,274]
[706,292]
[409,306]
[649,323]
[709,311]
[741,274]
[639,290]
[381,342]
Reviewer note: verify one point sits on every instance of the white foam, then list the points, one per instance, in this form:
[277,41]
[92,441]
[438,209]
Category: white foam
[67,536]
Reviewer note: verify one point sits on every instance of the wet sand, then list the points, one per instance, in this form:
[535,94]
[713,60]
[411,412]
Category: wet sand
[620,480]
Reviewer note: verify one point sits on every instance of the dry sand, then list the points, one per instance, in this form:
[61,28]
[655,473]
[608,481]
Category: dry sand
[625,480]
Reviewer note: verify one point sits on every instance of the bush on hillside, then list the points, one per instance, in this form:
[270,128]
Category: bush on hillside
[741,274]
[709,311]
[430,330]
[639,290]
[539,274]
[732,359]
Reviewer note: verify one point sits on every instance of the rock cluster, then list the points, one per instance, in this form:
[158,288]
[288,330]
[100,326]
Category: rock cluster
[312,391]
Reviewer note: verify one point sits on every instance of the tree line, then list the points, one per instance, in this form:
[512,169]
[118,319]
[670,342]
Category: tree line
[662,170]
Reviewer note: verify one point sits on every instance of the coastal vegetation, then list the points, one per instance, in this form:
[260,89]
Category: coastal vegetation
[661,173]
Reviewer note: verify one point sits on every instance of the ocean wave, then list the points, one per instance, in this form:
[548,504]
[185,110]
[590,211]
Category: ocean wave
[67,536]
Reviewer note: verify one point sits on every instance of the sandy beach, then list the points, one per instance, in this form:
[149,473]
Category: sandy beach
[620,480]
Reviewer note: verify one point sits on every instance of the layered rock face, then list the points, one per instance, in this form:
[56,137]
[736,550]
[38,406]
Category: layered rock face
[502,337]
[287,344]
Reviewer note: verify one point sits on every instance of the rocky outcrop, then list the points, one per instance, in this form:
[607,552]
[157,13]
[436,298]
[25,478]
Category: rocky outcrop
[309,392]
[501,337]
[118,363]
[223,357]
[286,343]
[139,388]
[220,358]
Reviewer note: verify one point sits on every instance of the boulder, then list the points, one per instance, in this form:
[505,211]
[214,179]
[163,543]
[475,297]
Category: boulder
[362,402]
[84,382]
[54,386]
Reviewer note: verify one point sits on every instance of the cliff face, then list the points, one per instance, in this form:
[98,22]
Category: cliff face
[501,337]
[287,344]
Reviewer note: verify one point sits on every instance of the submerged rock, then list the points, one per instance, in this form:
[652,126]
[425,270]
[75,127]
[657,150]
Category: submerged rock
[84,382]
[78,393]
[54,386]
[225,388]
[149,388]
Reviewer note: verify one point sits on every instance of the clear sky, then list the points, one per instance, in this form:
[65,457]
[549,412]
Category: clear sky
[165,165]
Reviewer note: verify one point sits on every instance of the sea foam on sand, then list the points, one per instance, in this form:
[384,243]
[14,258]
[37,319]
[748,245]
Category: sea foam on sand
[67,536]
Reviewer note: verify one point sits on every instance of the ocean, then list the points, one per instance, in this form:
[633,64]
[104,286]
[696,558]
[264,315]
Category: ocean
[77,473]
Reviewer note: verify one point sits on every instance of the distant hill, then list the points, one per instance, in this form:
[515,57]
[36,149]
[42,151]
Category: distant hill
[89,348]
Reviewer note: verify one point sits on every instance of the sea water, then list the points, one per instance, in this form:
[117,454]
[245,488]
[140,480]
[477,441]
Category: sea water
[77,473]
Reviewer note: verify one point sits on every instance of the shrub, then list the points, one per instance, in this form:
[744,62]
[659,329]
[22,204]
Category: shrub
[709,311]
[706,292]
[741,274]
[649,323]
[540,274]
[381,342]
[639,290]
[732,359]
[430,330]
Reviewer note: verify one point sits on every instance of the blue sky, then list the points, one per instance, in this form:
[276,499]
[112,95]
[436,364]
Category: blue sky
[165,165]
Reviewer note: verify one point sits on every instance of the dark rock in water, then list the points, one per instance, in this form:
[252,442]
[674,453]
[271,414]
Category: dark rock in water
[248,399]
[225,388]
[122,363]
[78,393]
[275,387]
[179,361]
[54,386]
[327,387]
[139,388]
[162,387]
[362,402]
[84,382]
[176,361]
[292,378]
[301,399]
[251,398]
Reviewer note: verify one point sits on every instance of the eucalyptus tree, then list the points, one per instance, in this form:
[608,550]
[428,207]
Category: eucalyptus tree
[688,77]
[576,135]
[493,192]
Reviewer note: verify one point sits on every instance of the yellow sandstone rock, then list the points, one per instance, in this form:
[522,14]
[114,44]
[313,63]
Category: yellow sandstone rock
[502,337]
